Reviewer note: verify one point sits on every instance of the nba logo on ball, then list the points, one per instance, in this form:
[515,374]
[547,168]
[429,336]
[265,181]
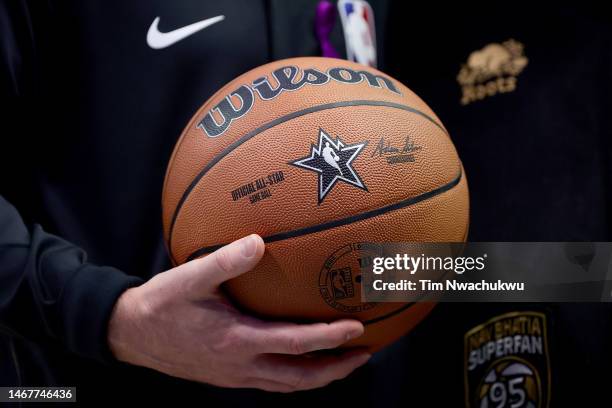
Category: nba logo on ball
[332,161]
[359,33]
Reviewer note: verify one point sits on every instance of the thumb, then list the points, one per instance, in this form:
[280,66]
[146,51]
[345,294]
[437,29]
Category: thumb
[204,275]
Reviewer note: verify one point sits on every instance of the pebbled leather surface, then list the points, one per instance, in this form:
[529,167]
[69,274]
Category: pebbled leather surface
[287,283]
[194,149]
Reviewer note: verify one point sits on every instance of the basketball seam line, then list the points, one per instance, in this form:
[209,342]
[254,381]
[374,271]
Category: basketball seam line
[388,315]
[342,221]
[270,125]
[402,308]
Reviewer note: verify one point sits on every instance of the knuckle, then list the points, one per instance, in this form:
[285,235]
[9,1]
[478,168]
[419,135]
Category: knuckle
[231,341]
[223,260]
[296,345]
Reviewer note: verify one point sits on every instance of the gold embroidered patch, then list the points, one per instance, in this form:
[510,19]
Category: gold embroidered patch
[506,362]
[491,70]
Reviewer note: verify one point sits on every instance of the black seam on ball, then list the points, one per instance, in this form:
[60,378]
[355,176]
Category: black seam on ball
[342,221]
[270,125]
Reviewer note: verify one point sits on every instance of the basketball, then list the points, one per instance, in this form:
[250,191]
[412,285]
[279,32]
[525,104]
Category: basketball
[325,159]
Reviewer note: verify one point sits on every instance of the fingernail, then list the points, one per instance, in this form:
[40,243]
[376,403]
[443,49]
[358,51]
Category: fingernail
[249,246]
[353,334]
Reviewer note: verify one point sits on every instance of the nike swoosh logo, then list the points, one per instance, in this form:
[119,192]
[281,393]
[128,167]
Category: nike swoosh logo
[158,40]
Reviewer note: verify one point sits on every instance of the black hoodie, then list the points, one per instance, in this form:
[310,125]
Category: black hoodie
[91,113]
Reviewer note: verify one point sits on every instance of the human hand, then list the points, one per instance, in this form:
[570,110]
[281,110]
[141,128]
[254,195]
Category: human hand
[181,324]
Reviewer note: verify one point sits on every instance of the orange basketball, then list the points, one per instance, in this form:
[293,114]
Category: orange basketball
[320,157]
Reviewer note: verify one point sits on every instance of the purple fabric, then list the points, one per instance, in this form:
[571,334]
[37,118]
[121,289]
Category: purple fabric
[325,18]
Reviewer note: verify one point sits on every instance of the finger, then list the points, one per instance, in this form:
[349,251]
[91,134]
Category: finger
[206,274]
[308,372]
[295,339]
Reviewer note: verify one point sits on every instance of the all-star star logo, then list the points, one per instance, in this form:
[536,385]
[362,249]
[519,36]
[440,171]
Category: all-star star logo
[332,161]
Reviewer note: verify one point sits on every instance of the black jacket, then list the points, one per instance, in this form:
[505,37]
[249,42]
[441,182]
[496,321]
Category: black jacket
[92,114]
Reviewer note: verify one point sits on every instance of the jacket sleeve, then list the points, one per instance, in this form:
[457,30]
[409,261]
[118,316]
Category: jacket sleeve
[50,293]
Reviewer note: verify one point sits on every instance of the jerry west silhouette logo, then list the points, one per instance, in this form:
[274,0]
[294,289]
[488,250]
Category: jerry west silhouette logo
[332,161]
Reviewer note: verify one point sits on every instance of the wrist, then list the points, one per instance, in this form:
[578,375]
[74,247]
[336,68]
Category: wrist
[123,324]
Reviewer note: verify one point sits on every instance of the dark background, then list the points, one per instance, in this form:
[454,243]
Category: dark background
[91,116]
